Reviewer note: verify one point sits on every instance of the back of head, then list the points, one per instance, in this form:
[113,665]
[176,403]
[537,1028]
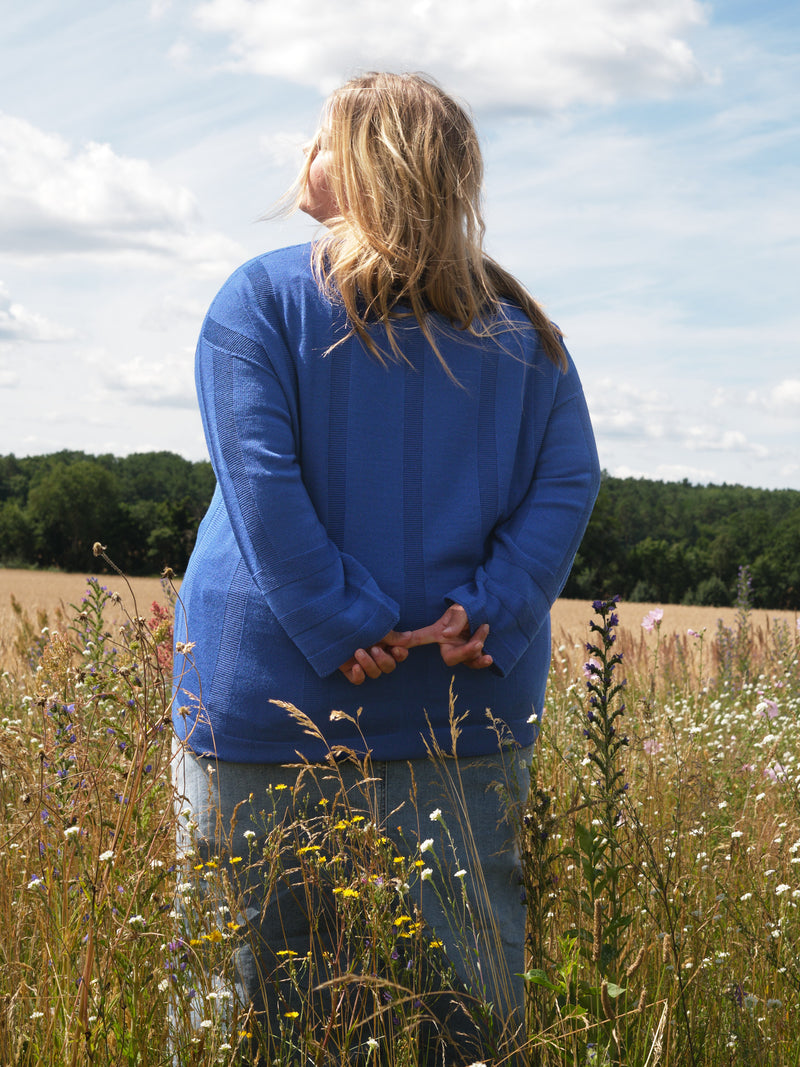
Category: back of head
[404,166]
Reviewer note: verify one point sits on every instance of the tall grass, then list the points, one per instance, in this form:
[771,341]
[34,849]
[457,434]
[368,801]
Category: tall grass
[660,846]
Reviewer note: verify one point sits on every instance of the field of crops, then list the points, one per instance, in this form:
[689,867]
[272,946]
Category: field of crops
[660,848]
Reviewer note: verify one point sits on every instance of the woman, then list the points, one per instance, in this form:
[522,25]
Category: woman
[405,469]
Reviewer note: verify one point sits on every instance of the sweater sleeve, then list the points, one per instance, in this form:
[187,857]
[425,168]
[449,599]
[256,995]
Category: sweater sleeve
[531,552]
[326,601]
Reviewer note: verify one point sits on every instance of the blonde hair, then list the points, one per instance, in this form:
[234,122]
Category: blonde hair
[405,169]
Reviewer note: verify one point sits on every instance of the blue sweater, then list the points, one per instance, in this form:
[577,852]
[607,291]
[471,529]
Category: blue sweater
[353,499]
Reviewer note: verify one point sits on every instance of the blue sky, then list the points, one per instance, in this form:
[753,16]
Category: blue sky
[643,180]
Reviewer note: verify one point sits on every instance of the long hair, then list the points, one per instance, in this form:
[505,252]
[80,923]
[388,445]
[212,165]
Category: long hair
[406,171]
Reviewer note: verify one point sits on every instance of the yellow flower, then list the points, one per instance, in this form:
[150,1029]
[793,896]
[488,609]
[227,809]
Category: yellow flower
[401,919]
[286,952]
[292,1014]
[234,926]
[236,859]
[281,785]
[215,936]
[342,824]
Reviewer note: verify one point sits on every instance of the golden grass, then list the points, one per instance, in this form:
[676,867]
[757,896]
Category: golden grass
[50,590]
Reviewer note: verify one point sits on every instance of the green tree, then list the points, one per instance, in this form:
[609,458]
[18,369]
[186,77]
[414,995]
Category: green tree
[71,506]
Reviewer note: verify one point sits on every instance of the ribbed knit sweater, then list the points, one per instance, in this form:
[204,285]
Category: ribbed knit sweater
[354,498]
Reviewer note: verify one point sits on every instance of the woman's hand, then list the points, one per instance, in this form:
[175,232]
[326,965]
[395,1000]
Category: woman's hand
[456,643]
[379,659]
[451,632]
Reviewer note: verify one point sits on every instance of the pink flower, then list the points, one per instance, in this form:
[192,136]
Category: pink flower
[769,709]
[592,668]
[652,620]
[651,746]
[776,772]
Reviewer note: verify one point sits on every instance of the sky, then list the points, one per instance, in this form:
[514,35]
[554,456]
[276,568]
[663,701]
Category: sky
[642,180]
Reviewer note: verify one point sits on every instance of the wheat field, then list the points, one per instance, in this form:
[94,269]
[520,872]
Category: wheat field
[51,591]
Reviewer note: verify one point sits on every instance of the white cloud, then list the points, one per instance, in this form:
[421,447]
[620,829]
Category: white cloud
[9,379]
[170,309]
[58,200]
[19,324]
[718,439]
[781,399]
[166,381]
[534,56]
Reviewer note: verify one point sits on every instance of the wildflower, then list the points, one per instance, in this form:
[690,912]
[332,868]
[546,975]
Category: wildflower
[136,920]
[286,952]
[427,845]
[775,772]
[71,831]
[372,1043]
[426,874]
[651,746]
[163,985]
[460,874]
[768,709]
[37,1015]
[292,1014]
[435,815]
[249,834]
[35,882]
[206,1024]
[591,667]
[652,620]
[782,888]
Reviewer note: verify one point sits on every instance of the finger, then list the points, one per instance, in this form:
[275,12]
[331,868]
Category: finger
[455,621]
[385,661]
[353,674]
[400,639]
[367,663]
[400,654]
[425,635]
[480,662]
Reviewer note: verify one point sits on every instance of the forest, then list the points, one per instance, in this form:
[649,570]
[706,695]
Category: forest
[669,542]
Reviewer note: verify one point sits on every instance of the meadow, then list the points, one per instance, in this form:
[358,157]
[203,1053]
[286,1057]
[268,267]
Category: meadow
[660,847]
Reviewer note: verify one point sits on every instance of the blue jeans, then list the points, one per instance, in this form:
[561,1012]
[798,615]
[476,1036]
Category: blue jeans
[471,900]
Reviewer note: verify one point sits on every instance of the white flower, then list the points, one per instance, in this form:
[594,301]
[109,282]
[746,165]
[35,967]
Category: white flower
[35,882]
[372,1043]
[746,896]
[136,920]
[460,874]
[427,845]
[71,831]
[106,857]
[426,874]
[163,985]
[737,833]
[37,1015]
[782,888]
[435,815]
[206,1024]
[249,834]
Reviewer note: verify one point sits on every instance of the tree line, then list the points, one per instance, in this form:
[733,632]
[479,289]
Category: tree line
[672,542]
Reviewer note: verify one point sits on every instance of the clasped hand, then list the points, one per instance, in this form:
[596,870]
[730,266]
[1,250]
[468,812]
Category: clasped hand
[451,632]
